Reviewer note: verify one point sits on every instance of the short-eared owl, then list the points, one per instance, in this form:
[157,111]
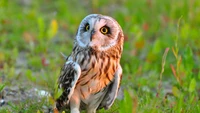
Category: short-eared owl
[91,76]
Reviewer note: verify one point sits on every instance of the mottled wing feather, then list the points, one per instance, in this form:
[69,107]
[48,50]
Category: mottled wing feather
[69,75]
[112,91]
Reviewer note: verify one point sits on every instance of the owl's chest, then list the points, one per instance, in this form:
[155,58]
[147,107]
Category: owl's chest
[96,74]
[97,68]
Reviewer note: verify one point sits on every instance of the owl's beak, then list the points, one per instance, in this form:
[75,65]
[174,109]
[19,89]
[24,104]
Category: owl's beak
[92,33]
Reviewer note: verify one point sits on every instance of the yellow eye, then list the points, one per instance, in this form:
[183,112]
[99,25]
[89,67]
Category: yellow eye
[104,30]
[87,27]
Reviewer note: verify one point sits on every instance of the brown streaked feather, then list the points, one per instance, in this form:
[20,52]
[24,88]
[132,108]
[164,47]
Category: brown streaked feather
[98,56]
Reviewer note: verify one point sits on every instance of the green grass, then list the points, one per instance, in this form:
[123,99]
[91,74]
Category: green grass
[33,33]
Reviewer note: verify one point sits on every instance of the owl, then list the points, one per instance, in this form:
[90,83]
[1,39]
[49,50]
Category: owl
[90,78]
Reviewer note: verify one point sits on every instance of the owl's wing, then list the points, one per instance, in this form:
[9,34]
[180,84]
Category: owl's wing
[112,91]
[69,76]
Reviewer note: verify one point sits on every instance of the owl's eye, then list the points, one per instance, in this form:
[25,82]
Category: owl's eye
[105,30]
[87,27]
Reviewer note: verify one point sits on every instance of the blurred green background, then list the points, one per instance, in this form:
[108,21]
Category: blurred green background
[161,57]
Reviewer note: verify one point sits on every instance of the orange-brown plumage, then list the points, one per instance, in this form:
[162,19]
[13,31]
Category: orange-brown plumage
[93,76]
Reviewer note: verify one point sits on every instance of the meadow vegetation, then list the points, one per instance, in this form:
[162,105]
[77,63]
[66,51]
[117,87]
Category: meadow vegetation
[161,57]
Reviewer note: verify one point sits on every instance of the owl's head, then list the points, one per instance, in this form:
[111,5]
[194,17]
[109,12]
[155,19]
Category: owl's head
[99,32]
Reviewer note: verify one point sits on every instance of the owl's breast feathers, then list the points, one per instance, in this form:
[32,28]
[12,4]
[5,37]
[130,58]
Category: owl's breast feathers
[97,69]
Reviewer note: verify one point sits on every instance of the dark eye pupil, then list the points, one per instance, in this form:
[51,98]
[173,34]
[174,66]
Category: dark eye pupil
[104,30]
